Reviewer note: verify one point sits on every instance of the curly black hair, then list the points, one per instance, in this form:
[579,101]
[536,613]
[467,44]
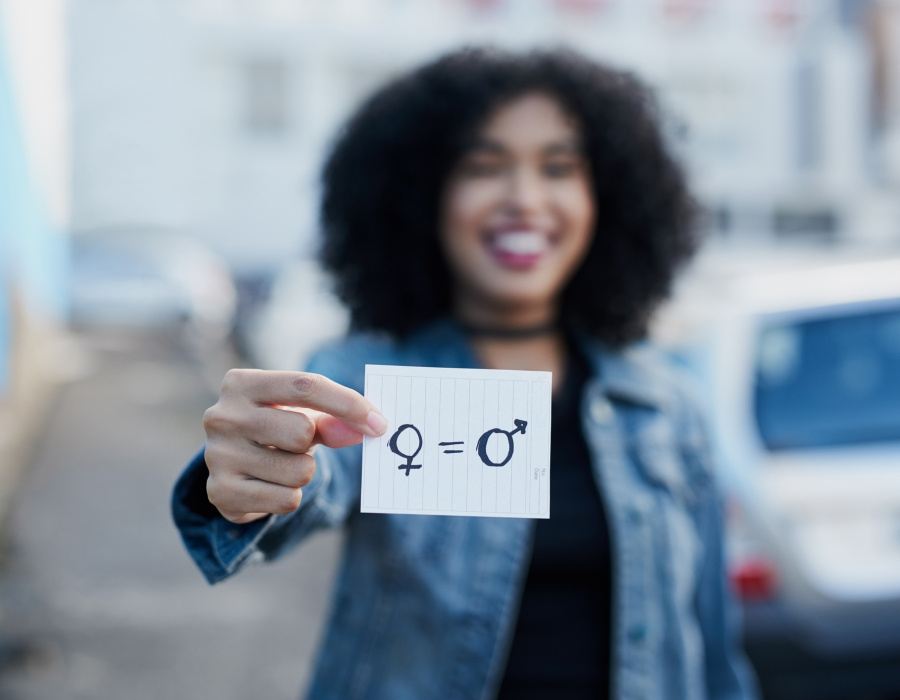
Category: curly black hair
[385,176]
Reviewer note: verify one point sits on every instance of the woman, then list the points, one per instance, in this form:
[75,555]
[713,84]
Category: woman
[499,211]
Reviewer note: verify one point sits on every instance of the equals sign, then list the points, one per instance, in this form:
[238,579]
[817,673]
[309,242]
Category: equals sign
[451,452]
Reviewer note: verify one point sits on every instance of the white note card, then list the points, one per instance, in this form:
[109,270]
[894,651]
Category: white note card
[459,442]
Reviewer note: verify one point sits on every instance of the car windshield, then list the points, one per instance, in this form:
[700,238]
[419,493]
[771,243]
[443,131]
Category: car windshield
[829,381]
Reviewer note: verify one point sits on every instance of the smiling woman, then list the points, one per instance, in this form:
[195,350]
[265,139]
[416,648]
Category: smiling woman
[507,212]
[517,215]
[603,154]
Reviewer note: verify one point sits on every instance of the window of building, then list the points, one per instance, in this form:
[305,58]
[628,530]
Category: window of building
[265,96]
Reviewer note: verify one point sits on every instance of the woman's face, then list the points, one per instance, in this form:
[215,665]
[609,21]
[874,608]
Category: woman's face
[518,213]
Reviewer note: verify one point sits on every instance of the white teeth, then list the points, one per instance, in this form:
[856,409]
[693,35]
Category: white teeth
[521,242]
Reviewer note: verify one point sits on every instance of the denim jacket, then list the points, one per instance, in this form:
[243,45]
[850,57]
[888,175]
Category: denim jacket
[426,606]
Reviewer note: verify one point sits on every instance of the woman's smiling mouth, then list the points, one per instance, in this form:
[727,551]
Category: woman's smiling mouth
[518,248]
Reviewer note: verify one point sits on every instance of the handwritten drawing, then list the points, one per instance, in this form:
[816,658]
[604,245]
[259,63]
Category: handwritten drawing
[396,450]
[469,442]
[452,452]
[481,448]
[483,443]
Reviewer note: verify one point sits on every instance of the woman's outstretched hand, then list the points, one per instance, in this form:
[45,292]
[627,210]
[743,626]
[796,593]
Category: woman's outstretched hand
[261,434]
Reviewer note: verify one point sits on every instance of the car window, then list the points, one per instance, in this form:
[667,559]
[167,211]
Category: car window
[829,381]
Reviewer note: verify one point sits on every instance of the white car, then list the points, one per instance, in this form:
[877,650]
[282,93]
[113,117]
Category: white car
[150,278]
[801,370]
[300,314]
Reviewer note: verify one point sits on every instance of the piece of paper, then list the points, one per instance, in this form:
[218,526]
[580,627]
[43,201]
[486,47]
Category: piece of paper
[459,442]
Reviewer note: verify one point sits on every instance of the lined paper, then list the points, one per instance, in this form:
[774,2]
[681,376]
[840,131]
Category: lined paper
[459,442]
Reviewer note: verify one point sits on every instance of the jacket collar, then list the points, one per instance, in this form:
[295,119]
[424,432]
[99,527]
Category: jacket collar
[626,375]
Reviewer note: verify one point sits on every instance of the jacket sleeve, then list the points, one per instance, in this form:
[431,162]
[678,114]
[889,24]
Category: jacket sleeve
[729,675]
[221,548]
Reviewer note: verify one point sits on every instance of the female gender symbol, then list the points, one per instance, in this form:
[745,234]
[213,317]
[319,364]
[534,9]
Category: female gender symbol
[396,450]
[483,441]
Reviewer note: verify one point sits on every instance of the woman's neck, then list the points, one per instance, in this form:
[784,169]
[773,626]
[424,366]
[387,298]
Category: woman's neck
[480,315]
[543,351]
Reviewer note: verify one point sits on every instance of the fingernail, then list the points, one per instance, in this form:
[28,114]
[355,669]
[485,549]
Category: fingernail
[377,422]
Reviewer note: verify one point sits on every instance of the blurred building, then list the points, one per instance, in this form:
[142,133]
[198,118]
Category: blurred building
[212,116]
[884,33]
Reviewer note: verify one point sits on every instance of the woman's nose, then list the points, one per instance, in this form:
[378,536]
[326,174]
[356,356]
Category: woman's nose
[527,192]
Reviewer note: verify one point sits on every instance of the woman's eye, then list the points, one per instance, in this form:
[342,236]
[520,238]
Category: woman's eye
[482,168]
[560,169]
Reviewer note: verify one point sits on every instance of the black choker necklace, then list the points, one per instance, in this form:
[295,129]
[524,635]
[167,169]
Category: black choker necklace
[509,333]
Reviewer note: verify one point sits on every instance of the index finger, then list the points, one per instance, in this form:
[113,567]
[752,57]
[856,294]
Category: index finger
[308,390]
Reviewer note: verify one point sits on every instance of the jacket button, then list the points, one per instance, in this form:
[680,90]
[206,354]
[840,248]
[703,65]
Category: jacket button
[637,633]
[601,411]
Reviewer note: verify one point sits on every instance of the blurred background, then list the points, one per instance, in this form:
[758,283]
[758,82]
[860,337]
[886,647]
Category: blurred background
[158,194]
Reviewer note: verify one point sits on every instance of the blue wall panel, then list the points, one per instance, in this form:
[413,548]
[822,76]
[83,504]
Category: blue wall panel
[33,252]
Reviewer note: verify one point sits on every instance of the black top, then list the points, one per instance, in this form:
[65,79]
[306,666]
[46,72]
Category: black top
[561,645]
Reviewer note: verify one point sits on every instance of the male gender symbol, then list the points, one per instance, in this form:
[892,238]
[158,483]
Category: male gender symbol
[483,441]
[396,450]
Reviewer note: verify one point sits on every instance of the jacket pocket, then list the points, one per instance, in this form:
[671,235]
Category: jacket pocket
[671,461]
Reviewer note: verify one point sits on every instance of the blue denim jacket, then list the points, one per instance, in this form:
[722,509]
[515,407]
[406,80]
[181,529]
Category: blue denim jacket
[426,605]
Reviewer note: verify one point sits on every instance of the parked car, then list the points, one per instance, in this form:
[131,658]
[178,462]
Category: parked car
[298,315]
[150,278]
[801,369]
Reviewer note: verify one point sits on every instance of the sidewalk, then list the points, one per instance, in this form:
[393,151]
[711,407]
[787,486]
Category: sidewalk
[97,596]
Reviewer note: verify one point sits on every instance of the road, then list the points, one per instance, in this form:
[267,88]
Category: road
[98,599]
